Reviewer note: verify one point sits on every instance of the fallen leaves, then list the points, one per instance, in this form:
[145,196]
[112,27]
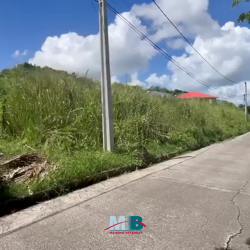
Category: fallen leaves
[25,167]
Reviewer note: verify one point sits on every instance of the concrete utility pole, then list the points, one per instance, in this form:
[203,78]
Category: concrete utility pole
[107,110]
[245,98]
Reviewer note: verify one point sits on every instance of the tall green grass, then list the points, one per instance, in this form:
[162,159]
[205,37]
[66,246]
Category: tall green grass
[64,113]
[60,115]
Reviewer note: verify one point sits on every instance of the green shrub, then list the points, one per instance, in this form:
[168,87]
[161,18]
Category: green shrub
[64,112]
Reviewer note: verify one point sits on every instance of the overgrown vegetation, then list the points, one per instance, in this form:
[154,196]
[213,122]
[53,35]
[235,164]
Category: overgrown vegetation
[245,15]
[59,116]
[175,92]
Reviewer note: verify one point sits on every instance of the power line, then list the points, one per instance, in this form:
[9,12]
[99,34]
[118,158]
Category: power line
[92,2]
[143,22]
[190,43]
[164,53]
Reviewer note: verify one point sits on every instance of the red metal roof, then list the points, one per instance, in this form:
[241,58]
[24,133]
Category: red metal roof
[195,94]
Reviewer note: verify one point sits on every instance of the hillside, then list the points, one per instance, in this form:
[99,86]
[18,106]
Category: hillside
[58,116]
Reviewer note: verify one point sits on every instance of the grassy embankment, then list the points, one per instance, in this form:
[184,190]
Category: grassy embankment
[59,116]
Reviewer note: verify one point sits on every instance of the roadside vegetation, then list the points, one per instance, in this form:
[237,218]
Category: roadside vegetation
[58,117]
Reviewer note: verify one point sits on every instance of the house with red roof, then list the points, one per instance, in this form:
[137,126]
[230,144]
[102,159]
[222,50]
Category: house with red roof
[197,95]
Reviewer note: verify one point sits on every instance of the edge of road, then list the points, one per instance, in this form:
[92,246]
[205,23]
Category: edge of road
[31,215]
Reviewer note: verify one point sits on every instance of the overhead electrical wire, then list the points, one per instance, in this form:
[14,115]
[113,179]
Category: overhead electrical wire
[165,54]
[143,22]
[92,2]
[191,43]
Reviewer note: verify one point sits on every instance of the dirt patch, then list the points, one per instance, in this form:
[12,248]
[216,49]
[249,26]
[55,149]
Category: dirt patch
[23,168]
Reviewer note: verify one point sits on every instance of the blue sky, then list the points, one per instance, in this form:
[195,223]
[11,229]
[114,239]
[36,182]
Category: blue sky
[24,25]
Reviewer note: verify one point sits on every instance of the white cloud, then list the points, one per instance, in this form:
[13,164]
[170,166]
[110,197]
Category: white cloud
[129,53]
[115,79]
[73,52]
[226,48]
[228,52]
[18,53]
[236,93]
[134,81]
[153,79]
[177,43]
[190,16]
[25,52]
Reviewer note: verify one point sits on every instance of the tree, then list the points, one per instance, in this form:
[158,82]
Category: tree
[164,90]
[229,104]
[243,16]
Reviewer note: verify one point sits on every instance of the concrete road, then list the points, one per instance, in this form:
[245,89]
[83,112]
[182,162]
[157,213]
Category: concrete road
[199,201]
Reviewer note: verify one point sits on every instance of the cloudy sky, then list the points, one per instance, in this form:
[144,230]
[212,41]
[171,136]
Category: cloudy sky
[64,35]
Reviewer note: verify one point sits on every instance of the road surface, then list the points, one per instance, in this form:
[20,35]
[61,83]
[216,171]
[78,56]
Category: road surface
[198,201]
